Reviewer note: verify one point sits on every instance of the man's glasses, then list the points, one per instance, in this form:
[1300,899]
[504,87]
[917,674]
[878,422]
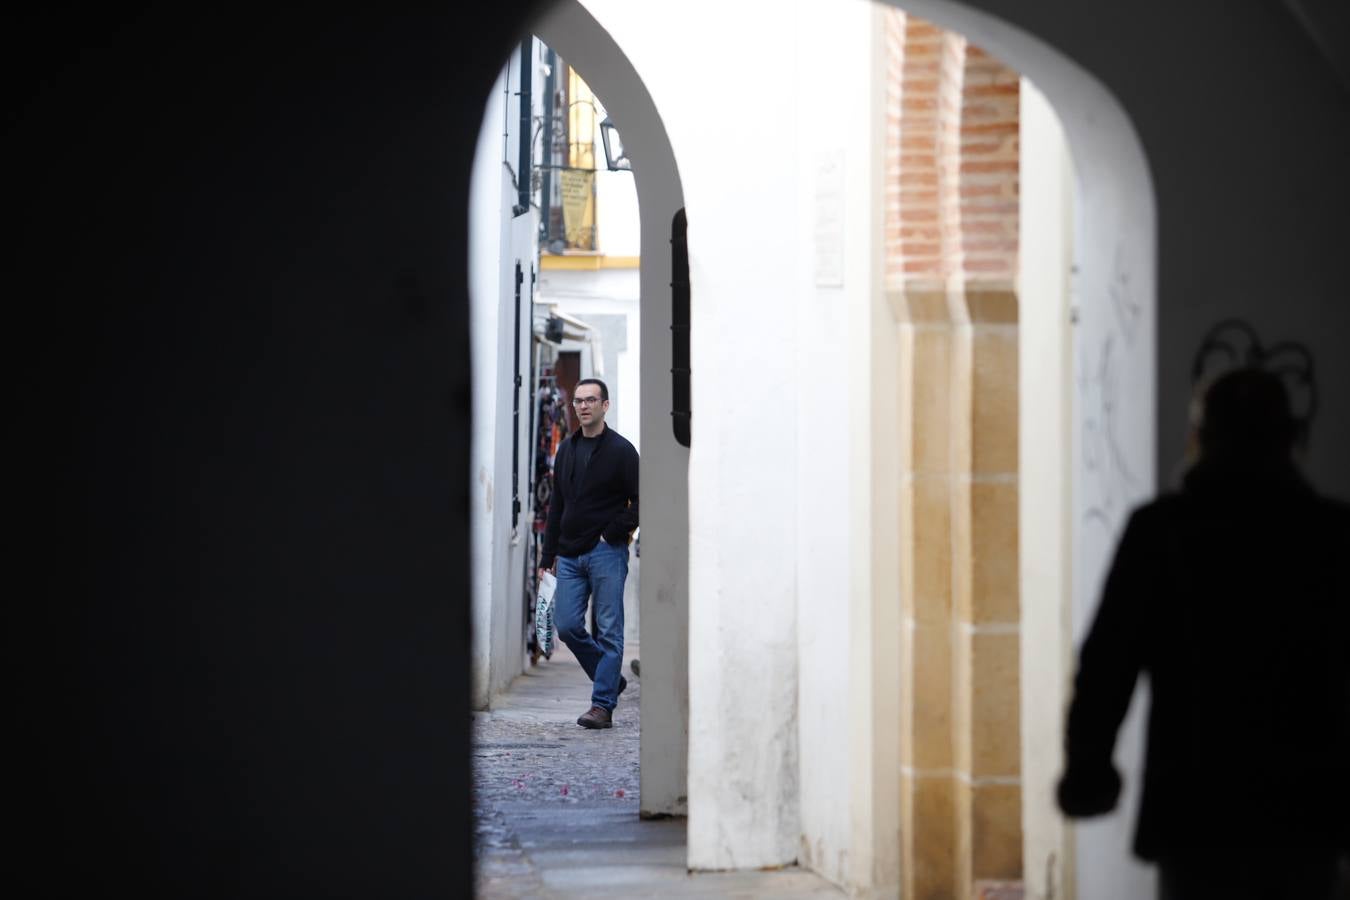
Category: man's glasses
[585,401]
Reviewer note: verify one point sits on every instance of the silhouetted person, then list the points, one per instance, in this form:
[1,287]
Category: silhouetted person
[1232,595]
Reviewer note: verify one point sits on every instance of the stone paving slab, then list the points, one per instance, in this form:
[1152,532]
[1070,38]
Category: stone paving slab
[556,805]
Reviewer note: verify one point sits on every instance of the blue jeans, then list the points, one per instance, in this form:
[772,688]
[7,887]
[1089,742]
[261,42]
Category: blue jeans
[601,572]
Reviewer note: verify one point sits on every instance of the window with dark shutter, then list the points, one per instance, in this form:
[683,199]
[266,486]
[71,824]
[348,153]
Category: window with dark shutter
[679,329]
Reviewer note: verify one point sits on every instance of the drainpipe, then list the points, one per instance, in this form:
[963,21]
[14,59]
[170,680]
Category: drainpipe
[525,170]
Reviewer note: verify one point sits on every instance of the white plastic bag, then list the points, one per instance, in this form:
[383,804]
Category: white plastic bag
[543,614]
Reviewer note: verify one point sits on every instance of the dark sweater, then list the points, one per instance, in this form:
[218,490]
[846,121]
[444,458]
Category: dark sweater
[601,501]
[1232,597]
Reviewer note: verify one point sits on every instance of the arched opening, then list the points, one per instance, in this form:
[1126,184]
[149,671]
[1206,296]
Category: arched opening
[1104,348]
[571,34]
[843,637]
[578,37]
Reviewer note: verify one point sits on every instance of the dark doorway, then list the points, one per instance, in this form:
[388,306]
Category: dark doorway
[568,371]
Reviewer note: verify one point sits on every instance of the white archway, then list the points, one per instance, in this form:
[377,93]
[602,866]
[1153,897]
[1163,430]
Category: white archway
[1112,435]
[664,591]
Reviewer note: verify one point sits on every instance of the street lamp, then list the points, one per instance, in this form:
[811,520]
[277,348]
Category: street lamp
[615,158]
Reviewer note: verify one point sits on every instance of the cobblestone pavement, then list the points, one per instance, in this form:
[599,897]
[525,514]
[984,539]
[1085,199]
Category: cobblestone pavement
[556,805]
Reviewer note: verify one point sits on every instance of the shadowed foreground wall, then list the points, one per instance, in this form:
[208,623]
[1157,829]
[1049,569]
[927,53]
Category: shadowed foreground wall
[241,658]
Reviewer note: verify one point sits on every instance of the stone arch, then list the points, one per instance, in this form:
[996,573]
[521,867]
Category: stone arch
[966,335]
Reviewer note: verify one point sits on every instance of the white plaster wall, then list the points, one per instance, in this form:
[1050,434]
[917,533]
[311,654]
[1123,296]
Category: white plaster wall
[1045,359]
[594,49]
[1114,429]
[497,240]
[510,530]
[490,195]
[876,629]
[742,503]
[848,820]
[1114,434]
[743,490]
[767,514]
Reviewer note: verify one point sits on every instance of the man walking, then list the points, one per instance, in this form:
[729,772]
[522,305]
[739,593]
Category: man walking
[1232,595]
[591,519]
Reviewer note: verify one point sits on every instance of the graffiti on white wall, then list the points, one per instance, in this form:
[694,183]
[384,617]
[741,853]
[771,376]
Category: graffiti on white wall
[1128,308]
[1107,371]
[1108,480]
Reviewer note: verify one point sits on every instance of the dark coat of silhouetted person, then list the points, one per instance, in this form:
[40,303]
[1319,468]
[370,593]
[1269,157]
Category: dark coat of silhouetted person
[1231,594]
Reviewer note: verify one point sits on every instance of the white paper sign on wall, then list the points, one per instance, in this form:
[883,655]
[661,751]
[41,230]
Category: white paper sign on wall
[829,229]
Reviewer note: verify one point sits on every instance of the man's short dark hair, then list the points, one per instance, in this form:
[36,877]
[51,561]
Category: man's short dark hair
[1246,413]
[604,391]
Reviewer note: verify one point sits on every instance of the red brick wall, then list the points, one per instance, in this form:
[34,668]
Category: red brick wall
[949,151]
[951,158]
[917,176]
[988,151]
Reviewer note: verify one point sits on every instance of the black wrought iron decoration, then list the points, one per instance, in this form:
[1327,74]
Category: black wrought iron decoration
[1234,344]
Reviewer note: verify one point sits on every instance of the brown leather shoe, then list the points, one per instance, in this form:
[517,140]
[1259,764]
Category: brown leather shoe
[596,717]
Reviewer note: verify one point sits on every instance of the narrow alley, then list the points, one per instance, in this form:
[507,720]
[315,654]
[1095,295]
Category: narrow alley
[556,806]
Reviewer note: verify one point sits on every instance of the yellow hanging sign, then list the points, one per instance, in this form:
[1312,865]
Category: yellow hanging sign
[578,196]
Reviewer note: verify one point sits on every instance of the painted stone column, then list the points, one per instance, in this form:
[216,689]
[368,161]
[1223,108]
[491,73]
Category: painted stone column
[985,592]
[927,787]
[984,514]
[951,265]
